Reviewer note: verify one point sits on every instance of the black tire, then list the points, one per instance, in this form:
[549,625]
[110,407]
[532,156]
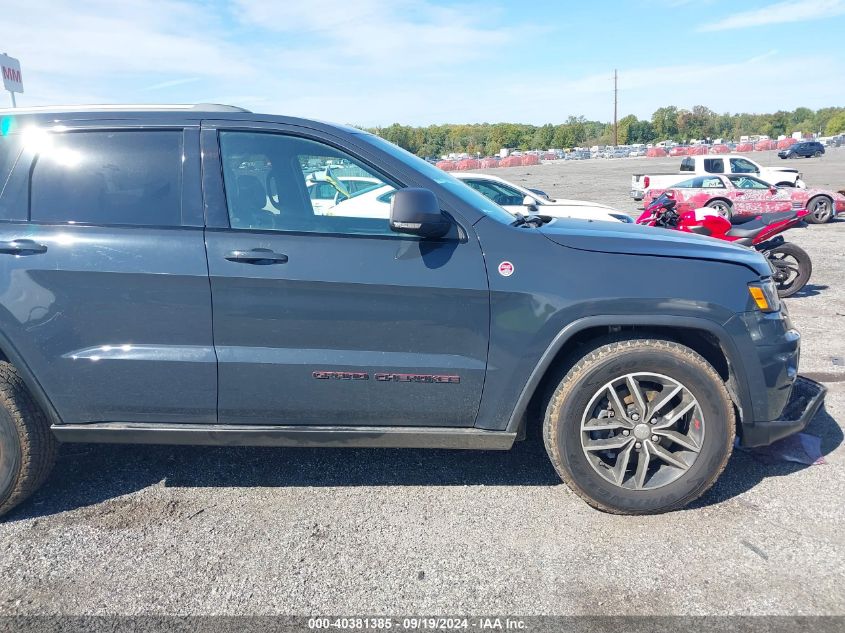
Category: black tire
[817,154]
[821,210]
[27,446]
[793,268]
[571,401]
[785,184]
[722,206]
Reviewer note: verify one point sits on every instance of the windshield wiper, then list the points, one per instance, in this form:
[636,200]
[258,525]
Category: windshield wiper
[534,221]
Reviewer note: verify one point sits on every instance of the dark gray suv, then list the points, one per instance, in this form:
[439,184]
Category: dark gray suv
[804,149]
[167,277]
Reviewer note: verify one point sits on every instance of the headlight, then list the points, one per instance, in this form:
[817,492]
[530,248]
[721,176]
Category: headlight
[623,218]
[765,295]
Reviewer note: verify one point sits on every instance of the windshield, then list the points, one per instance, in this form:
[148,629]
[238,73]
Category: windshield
[748,182]
[452,184]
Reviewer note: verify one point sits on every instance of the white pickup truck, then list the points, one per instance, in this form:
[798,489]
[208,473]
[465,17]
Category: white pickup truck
[702,165]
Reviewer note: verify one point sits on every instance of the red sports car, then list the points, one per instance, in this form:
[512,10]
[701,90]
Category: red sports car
[743,194]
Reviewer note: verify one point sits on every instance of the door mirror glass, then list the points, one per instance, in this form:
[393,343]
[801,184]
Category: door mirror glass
[416,211]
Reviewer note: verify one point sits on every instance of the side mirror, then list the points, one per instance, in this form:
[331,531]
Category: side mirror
[416,211]
[529,201]
[773,189]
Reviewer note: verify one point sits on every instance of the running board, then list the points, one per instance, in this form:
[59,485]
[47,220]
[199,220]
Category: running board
[302,436]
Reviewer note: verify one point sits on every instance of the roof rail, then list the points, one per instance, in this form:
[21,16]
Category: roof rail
[218,107]
[199,107]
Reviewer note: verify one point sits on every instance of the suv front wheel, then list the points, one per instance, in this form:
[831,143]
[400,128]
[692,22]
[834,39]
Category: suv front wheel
[27,446]
[640,426]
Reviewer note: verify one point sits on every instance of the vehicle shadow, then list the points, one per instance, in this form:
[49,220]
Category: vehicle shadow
[745,469]
[810,290]
[89,474]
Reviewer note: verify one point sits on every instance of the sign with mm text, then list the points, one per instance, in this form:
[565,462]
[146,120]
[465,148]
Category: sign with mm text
[12,79]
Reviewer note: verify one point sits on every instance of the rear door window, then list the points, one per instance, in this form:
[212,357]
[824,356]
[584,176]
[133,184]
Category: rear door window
[497,192]
[714,165]
[692,183]
[128,177]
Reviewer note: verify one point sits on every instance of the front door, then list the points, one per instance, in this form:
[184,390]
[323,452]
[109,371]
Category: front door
[322,314]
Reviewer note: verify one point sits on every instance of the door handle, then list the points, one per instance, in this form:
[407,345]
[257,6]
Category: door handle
[22,247]
[257,256]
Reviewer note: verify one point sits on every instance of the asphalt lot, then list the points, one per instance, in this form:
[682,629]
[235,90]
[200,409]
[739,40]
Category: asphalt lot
[138,530]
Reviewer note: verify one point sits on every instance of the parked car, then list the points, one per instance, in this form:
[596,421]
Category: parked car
[518,199]
[703,165]
[804,149]
[156,291]
[327,191]
[738,195]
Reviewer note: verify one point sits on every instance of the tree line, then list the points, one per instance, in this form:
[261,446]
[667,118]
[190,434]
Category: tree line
[669,122]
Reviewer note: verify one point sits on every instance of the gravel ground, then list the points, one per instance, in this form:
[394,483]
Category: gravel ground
[182,530]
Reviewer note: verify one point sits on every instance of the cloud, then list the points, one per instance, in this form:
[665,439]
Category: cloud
[172,83]
[381,36]
[779,13]
[375,62]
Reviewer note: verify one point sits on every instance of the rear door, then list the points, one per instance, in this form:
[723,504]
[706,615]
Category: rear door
[103,279]
[323,315]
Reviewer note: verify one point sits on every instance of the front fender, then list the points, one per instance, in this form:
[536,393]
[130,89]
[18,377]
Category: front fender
[664,322]
[555,292]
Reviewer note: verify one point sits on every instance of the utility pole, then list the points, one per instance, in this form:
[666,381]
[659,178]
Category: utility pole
[615,104]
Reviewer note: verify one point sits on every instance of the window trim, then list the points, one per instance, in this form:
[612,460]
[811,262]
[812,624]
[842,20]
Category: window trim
[188,193]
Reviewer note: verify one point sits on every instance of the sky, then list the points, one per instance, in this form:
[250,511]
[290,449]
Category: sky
[418,62]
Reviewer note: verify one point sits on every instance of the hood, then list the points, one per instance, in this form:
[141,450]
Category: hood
[576,203]
[632,239]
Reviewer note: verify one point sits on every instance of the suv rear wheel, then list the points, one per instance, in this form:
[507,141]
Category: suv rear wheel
[27,446]
[640,426]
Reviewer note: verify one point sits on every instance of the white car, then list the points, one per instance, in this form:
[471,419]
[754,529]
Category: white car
[366,203]
[324,195]
[519,199]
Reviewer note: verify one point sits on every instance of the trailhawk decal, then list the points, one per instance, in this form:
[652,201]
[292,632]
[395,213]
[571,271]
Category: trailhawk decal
[444,379]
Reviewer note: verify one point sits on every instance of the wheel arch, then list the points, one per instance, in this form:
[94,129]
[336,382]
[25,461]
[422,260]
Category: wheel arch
[820,195]
[707,338]
[10,354]
[727,201]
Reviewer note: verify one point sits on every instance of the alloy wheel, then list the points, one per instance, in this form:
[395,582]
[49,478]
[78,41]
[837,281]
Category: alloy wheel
[722,209]
[642,431]
[822,210]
